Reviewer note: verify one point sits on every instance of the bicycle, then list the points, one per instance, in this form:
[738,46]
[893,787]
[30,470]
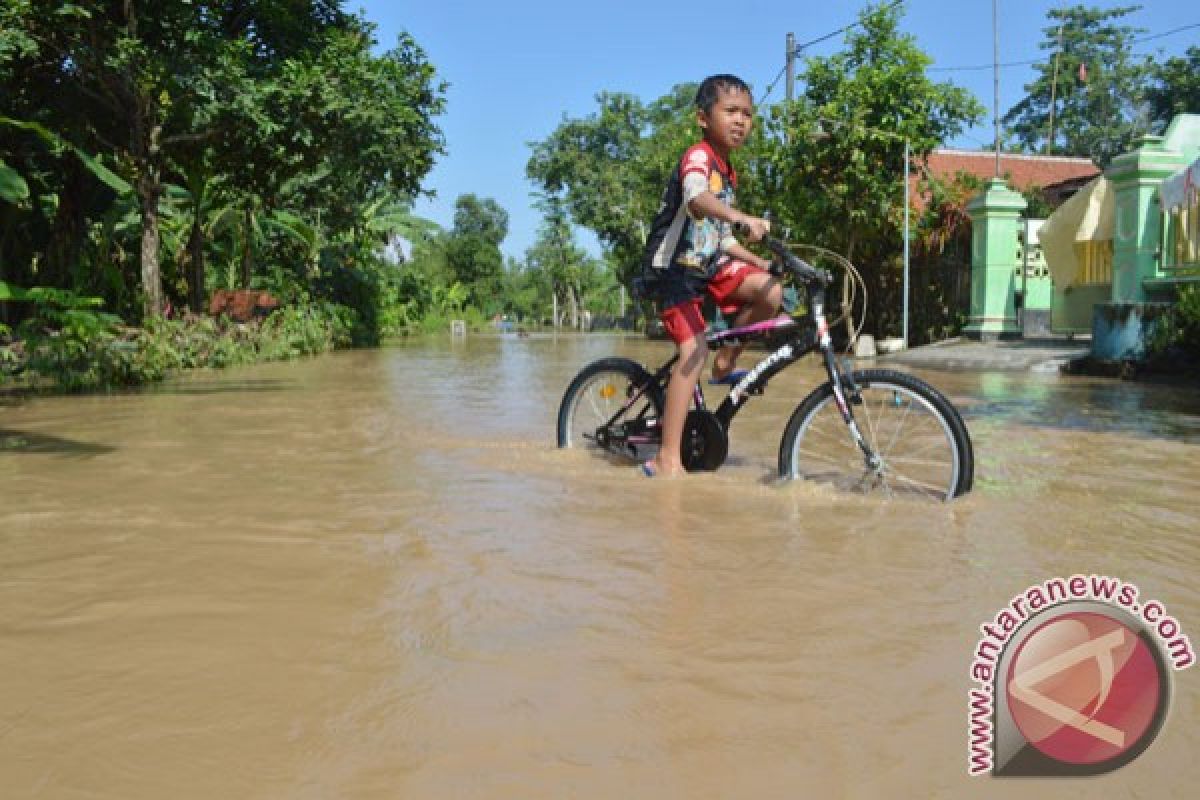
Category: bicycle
[913,440]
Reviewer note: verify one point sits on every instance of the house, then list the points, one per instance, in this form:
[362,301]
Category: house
[1117,252]
[943,255]
[1022,172]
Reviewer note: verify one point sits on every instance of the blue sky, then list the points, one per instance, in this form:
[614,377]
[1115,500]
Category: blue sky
[515,68]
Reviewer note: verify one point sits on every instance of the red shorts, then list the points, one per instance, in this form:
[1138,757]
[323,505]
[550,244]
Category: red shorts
[684,321]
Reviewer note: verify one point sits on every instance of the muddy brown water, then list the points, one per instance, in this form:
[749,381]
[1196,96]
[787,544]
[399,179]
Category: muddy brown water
[372,575]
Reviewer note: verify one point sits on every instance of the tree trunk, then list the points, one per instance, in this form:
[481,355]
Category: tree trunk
[850,326]
[247,246]
[68,231]
[147,154]
[195,276]
[149,192]
[573,300]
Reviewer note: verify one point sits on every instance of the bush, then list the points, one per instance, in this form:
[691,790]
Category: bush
[1173,344]
[82,350]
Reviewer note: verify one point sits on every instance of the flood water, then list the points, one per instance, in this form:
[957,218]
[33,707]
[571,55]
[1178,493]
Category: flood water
[372,575]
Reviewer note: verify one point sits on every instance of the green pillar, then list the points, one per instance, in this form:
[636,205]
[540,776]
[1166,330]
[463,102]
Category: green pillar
[995,215]
[1137,236]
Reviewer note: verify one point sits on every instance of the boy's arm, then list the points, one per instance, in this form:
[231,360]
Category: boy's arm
[742,254]
[707,204]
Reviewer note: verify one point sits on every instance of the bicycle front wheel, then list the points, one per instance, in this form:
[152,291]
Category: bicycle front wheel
[921,445]
[612,405]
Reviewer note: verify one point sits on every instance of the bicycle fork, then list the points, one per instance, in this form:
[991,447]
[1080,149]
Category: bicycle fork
[872,460]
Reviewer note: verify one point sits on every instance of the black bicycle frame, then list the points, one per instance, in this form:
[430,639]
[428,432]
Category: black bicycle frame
[805,339]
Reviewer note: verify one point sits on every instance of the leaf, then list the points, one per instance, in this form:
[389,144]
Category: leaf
[106,176]
[10,292]
[13,188]
[102,172]
[73,10]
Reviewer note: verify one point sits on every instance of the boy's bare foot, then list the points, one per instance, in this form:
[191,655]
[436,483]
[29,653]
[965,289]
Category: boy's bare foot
[654,469]
[722,367]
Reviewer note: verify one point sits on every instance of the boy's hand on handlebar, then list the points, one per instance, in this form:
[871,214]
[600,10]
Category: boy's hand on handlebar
[753,228]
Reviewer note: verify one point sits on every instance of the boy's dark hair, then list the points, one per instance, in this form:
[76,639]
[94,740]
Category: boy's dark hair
[711,87]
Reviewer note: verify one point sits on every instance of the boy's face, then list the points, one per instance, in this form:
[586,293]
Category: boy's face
[728,122]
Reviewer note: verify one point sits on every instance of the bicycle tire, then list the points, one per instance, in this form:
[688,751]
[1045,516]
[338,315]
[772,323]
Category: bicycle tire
[817,444]
[628,377]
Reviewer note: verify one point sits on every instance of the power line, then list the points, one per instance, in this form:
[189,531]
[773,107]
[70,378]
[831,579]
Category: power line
[1168,33]
[978,67]
[818,40]
[828,36]
[771,88]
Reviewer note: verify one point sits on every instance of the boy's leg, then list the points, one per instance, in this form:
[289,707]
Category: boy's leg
[685,324]
[692,355]
[758,295]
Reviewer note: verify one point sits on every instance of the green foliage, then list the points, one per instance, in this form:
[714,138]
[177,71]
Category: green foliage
[1037,206]
[68,339]
[608,169]
[1176,334]
[84,350]
[473,247]
[1175,88]
[1098,112]
[558,269]
[262,142]
[13,188]
[838,152]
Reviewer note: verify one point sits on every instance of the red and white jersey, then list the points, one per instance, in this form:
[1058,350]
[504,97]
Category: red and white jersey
[676,237]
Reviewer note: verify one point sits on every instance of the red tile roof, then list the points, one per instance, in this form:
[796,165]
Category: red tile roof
[1021,171]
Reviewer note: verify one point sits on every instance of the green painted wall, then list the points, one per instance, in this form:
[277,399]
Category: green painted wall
[1071,309]
[995,216]
[1137,236]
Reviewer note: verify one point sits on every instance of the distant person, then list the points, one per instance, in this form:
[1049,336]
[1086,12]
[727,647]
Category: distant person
[692,252]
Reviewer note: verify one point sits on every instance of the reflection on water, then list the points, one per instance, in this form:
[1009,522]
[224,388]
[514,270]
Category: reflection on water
[1088,404]
[372,575]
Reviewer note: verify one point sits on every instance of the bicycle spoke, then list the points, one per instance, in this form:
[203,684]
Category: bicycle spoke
[592,402]
[918,462]
[896,434]
[838,462]
[872,434]
[930,489]
[902,426]
[940,443]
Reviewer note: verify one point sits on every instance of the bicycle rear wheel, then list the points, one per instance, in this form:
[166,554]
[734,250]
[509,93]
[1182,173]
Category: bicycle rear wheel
[921,442]
[612,406]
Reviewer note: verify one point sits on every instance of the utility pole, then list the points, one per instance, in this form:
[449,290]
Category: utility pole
[996,84]
[1053,91]
[791,66]
[906,190]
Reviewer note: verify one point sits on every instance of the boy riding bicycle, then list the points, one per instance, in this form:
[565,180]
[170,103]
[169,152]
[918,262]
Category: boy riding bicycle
[692,250]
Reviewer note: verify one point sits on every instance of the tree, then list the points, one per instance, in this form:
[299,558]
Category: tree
[831,164]
[608,170]
[565,267]
[1175,88]
[1088,97]
[473,247]
[136,81]
[254,108]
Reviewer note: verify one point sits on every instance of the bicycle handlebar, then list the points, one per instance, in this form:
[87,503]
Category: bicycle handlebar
[796,265]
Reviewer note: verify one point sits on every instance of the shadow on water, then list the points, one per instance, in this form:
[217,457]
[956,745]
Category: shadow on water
[1147,410]
[221,387]
[20,442]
